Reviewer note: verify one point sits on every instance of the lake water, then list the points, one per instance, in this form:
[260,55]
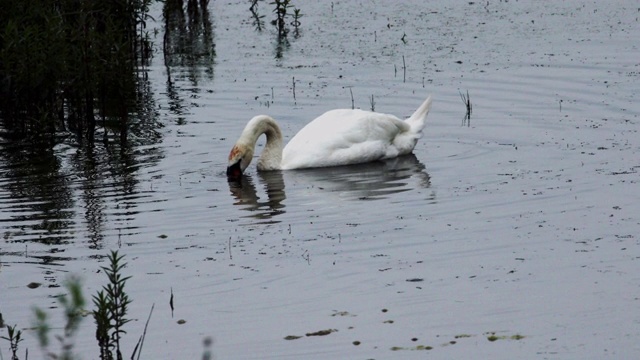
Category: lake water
[521,224]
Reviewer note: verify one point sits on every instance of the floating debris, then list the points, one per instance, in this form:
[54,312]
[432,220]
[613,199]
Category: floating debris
[321,332]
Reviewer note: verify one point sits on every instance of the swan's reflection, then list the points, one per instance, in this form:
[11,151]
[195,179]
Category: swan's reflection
[244,191]
[370,181]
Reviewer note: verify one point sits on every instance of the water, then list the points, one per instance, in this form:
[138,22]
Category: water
[522,223]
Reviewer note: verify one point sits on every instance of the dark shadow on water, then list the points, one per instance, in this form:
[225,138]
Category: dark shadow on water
[362,182]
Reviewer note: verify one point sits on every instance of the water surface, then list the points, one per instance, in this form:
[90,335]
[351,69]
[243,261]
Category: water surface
[521,222]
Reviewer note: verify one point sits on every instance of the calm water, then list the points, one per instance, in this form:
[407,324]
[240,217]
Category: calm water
[524,222]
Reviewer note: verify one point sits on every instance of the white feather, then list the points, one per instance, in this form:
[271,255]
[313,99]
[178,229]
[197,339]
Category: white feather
[338,137]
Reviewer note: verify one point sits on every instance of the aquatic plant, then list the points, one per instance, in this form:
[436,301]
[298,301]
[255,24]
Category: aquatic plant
[258,21]
[467,102]
[110,317]
[296,21]
[14,338]
[296,17]
[111,308]
[281,9]
[73,303]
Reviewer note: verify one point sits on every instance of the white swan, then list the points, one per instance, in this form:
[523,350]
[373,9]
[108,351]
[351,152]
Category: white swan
[338,137]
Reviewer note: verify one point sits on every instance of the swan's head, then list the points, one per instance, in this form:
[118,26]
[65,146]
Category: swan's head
[239,159]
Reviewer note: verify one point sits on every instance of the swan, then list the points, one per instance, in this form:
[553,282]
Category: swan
[337,137]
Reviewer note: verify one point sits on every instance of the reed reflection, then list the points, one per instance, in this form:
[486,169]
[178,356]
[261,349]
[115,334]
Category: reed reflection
[36,196]
[70,193]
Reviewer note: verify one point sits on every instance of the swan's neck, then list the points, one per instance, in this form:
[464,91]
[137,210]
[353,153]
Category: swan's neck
[272,154]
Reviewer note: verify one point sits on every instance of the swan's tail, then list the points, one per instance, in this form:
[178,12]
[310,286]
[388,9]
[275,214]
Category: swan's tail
[418,119]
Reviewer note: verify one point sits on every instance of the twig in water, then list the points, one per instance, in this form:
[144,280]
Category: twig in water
[171,302]
[294,88]
[404,70]
[467,102]
[144,333]
[230,257]
[353,106]
[373,104]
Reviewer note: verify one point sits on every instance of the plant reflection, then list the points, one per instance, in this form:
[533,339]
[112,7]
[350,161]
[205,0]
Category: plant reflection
[286,14]
[38,199]
[188,49]
[188,38]
[50,193]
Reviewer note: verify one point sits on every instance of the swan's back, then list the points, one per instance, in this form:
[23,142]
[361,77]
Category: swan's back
[346,136]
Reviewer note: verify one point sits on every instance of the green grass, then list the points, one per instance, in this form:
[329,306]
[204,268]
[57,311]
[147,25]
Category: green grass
[110,315]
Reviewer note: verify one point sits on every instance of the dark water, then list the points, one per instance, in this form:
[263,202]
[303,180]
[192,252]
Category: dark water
[492,222]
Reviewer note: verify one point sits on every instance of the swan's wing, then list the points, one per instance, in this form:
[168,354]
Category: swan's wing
[341,137]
